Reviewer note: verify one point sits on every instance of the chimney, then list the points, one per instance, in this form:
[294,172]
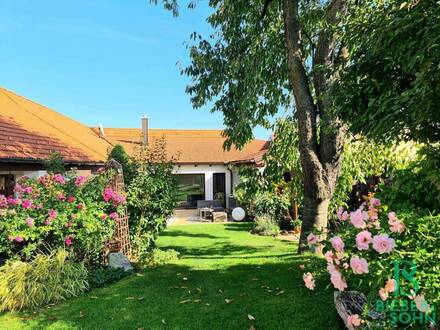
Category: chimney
[144,120]
[101,131]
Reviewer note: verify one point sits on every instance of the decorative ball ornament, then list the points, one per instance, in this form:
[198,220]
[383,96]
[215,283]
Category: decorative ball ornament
[238,214]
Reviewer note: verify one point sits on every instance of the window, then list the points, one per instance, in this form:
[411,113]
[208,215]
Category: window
[191,188]
[7,183]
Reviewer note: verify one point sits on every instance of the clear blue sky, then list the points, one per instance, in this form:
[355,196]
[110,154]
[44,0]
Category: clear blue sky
[103,61]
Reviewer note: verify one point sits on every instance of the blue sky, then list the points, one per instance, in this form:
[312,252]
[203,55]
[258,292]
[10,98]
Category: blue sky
[103,61]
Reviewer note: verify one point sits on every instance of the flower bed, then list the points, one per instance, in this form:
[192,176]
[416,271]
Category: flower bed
[58,210]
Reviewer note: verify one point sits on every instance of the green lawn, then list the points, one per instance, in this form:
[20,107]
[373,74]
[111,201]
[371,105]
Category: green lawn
[225,277]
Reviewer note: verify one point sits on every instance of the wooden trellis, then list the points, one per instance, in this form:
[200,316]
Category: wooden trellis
[121,238]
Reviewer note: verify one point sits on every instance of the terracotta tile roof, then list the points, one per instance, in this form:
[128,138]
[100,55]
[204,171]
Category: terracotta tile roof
[194,146]
[30,131]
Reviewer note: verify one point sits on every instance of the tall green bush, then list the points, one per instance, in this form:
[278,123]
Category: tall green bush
[44,280]
[151,196]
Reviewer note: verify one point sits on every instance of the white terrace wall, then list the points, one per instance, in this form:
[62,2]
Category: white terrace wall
[208,171]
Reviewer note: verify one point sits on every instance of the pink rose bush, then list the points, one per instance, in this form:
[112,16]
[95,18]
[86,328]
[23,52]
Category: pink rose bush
[360,256]
[58,210]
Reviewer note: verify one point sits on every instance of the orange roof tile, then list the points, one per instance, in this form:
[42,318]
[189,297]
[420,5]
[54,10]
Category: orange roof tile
[192,146]
[30,131]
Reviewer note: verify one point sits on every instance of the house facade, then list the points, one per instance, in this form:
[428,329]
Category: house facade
[30,132]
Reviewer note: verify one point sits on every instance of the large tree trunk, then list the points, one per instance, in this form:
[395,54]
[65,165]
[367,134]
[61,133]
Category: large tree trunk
[320,157]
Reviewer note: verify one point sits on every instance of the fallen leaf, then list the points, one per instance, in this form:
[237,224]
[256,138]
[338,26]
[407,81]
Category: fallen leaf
[129,298]
[228,301]
[198,289]
[269,291]
[197,300]
[185,301]
[252,328]
[178,274]
[250,317]
[140,328]
[220,290]
[207,304]
[93,297]
[255,279]
[185,278]
[81,313]
[301,266]
[163,321]
[140,298]
[281,292]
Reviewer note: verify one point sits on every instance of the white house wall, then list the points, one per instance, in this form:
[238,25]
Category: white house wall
[208,171]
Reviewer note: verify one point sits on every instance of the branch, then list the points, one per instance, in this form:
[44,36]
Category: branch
[264,11]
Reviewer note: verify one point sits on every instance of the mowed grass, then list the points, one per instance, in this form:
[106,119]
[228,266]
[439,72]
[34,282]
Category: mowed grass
[226,279]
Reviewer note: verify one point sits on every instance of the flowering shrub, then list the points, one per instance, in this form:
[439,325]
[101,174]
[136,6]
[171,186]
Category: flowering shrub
[58,211]
[362,254]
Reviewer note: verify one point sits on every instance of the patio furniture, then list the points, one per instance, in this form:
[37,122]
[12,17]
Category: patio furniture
[205,213]
[214,205]
[219,216]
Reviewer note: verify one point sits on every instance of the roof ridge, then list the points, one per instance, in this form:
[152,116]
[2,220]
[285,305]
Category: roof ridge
[6,91]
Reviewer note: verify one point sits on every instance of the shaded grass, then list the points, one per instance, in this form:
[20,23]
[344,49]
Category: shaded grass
[258,276]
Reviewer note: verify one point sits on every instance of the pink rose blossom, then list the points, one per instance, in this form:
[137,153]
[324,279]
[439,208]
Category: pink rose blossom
[338,281]
[104,216]
[331,268]
[329,256]
[372,213]
[3,202]
[383,244]
[19,239]
[70,199]
[397,227]
[13,201]
[359,265]
[337,243]
[107,194]
[61,197]
[48,222]
[26,204]
[69,224]
[390,285]
[363,239]
[346,265]
[59,178]
[342,215]
[114,215]
[28,190]
[52,213]
[80,180]
[357,219]
[375,202]
[421,303]
[354,320]
[392,217]
[383,294]
[30,222]
[312,239]
[309,281]
[68,241]
[80,206]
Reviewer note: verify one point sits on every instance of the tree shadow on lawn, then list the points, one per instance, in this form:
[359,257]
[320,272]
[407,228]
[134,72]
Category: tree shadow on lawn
[180,297]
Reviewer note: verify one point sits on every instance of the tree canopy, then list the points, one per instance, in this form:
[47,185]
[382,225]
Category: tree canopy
[390,87]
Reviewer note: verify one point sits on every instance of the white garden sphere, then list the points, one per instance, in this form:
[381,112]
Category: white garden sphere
[238,214]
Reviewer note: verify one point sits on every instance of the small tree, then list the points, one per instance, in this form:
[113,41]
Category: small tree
[129,167]
[54,163]
[151,195]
